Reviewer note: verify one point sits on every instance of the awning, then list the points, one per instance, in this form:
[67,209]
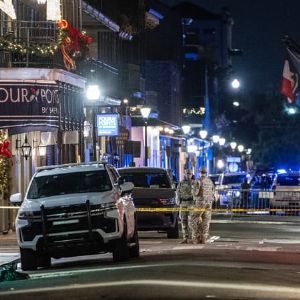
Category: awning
[139,121]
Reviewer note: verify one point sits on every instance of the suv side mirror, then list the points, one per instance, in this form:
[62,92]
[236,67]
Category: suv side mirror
[126,187]
[121,180]
[16,199]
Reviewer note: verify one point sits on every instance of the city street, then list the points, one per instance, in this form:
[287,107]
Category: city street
[246,257]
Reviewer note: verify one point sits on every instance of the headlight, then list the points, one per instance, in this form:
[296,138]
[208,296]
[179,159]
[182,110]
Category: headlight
[26,215]
[104,207]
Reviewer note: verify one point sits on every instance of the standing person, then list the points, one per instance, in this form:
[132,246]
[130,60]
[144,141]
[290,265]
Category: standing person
[172,178]
[185,196]
[245,186]
[203,196]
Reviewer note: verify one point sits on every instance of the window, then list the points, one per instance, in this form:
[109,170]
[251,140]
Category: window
[70,183]
[288,180]
[148,180]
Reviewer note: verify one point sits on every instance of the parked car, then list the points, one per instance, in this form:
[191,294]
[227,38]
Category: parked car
[72,210]
[286,192]
[152,189]
[228,187]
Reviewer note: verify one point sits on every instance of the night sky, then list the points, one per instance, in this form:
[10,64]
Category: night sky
[258,29]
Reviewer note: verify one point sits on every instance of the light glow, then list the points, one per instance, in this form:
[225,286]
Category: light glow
[145,111]
[53,10]
[7,7]
[93,92]
[186,129]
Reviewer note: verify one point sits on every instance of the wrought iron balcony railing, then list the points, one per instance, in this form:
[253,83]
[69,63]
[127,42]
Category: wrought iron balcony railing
[22,44]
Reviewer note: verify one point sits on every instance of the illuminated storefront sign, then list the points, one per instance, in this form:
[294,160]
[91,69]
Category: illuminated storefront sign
[107,125]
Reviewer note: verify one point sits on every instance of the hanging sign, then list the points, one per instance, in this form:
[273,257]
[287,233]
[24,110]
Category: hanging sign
[8,8]
[107,124]
[27,104]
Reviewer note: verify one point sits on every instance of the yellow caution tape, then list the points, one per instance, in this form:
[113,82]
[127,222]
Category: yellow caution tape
[9,207]
[196,209]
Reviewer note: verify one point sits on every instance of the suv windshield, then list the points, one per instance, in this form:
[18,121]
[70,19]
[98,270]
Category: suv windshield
[288,180]
[233,179]
[69,183]
[148,180]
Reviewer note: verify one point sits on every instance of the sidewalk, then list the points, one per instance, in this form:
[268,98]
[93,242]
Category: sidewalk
[9,249]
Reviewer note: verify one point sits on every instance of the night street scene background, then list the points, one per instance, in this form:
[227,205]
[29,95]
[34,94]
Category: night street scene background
[106,106]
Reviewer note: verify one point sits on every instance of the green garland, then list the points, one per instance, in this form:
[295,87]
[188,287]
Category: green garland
[4,169]
[38,49]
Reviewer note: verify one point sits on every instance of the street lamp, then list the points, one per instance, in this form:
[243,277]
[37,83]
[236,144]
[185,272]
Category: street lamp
[240,148]
[186,129]
[215,138]
[203,134]
[222,141]
[145,111]
[233,145]
[93,93]
[235,83]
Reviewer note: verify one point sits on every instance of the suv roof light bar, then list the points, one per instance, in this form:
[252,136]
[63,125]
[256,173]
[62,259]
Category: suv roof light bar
[39,169]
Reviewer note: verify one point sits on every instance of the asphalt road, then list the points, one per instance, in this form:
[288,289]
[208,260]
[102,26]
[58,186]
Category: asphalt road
[246,259]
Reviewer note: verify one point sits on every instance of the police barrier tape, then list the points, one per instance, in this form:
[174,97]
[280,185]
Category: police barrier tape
[196,209]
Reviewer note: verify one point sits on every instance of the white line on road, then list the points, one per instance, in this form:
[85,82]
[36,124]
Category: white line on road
[279,291]
[252,222]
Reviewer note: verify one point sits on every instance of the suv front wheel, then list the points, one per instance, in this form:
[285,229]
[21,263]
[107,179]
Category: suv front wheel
[28,259]
[121,249]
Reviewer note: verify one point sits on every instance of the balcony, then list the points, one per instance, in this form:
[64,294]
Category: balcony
[30,35]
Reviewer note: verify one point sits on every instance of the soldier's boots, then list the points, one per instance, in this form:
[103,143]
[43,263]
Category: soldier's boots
[184,241]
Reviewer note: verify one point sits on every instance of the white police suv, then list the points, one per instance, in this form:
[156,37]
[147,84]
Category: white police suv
[75,209]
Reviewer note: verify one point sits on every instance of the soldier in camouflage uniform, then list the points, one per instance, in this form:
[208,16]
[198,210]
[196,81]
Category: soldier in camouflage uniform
[185,196]
[203,195]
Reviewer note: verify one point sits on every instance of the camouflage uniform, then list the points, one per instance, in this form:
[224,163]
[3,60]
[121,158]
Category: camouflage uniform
[203,195]
[185,196]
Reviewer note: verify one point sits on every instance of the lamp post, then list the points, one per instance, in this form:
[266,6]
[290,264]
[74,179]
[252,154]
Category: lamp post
[93,93]
[233,145]
[203,134]
[145,111]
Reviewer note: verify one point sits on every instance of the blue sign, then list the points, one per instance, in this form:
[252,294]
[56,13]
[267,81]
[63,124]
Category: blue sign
[107,125]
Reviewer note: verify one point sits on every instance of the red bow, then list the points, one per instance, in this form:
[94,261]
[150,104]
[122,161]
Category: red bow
[4,149]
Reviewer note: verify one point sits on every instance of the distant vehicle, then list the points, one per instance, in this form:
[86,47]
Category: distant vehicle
[71,210]
[286,191]
[228,187]
[152,189]
[214,178]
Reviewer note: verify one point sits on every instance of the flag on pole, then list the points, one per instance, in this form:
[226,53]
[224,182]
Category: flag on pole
[291,72]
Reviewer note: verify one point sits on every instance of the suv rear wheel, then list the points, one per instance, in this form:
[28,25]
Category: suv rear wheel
[28,259]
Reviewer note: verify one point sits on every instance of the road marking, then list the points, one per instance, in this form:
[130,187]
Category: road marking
[252,222]
[279,291]
[281,241]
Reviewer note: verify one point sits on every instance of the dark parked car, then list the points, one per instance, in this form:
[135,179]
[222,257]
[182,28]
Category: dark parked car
[152,189]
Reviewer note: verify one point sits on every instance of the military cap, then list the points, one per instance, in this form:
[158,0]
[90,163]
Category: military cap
[203,170]
[188,171]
